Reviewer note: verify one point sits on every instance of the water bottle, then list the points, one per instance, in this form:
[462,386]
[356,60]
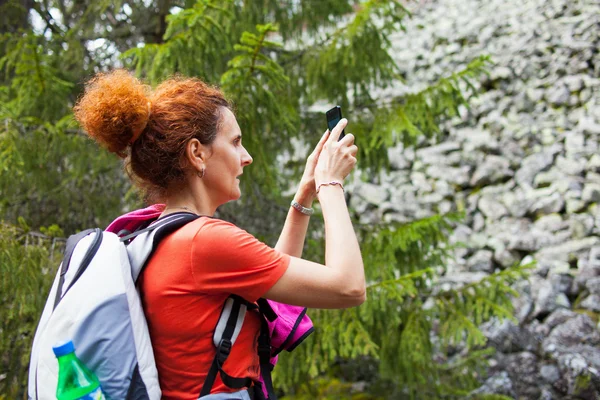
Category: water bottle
[75,380]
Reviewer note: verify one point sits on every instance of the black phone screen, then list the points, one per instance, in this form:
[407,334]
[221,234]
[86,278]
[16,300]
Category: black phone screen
[333,117]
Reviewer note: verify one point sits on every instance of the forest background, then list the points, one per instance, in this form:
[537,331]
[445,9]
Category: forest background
[283,63]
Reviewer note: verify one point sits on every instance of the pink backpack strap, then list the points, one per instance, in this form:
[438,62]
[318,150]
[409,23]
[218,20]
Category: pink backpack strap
[132,220]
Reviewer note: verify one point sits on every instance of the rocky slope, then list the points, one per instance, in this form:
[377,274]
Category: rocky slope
[523,163]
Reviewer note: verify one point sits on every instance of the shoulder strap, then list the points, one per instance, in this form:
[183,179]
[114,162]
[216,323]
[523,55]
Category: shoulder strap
[146,240]
[70,248]
[226,332]
[266,310]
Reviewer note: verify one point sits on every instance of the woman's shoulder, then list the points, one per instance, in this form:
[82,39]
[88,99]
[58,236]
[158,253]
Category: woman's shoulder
[216,236]
[205,222]
[214,228]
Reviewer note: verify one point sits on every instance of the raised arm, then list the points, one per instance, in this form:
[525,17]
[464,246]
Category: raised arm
[291,240]
[340,282]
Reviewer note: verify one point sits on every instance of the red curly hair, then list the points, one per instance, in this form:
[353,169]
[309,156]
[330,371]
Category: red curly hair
[150,128]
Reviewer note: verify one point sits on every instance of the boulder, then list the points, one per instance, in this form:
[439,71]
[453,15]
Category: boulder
[517,202]
[533,165]
[481,261]
[506,337]
[458,176]
[557,318]
[499,383]
[523,371]
[372,194]
[551,223]
[593,285]
[549,373]
[592,303]
[491,208]
[548,205]
[572,248]
[582,379]
[588,125]
[575,331]
[545,297]
[593,163]
[591,193]
[574,144]
[558,95]
[494,169]
[570,166]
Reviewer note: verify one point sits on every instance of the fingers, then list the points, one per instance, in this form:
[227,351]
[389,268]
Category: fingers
[346,144]
[337,131]
[353,150]
[347,140]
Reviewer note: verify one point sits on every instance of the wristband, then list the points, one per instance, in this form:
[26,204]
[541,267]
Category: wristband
[299,207]
[330,184]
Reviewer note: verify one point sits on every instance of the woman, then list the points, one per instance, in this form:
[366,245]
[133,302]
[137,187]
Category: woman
[183,146]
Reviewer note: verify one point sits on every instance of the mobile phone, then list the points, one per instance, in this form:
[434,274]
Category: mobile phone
[333,117]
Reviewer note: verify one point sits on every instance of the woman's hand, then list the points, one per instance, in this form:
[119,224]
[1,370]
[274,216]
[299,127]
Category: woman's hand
[307,191]
[337,158]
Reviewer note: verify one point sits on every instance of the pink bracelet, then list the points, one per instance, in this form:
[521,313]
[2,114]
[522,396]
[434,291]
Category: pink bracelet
[328,184]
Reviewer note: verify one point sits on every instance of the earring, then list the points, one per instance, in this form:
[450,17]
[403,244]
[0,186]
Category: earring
[201,173]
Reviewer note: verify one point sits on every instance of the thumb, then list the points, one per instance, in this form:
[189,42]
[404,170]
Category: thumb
[320,145]
[322,141]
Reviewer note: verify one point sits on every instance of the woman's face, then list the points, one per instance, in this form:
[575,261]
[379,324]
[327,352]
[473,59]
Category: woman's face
[227,160]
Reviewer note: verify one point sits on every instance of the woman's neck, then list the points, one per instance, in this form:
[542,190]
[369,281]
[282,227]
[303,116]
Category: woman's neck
[190,200]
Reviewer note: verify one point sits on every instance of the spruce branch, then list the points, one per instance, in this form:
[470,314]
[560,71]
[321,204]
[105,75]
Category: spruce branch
[195,43]
[343,54]
[408,117]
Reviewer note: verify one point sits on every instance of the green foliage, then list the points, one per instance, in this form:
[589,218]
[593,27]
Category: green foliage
[257,84]
[53,231]
[280,63]
[27,265]
[370,28]
[330,389]
[464,309]
[406,118]
[412,322]
[35,83]
[418,114]
[50,174]
[196,43]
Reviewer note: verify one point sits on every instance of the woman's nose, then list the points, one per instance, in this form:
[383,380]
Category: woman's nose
[246,158]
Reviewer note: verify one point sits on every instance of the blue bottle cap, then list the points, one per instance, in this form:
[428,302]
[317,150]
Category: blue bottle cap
[63,348]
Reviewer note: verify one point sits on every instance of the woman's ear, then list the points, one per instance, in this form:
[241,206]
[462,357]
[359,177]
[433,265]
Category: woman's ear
[196,154]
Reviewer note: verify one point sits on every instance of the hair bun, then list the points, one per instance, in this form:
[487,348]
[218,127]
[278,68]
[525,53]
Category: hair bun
[114,109]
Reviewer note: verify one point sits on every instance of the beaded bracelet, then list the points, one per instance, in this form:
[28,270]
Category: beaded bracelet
[328,184]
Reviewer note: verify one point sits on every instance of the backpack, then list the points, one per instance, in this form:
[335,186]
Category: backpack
[94,302]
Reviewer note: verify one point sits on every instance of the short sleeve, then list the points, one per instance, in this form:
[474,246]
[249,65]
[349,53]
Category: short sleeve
[228,259]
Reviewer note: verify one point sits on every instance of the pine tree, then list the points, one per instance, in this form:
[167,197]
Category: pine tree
[275,60]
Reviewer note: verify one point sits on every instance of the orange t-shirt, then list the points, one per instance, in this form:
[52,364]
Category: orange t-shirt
[184,287]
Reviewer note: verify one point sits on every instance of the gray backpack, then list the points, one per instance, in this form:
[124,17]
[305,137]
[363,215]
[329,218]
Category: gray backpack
[94,302]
